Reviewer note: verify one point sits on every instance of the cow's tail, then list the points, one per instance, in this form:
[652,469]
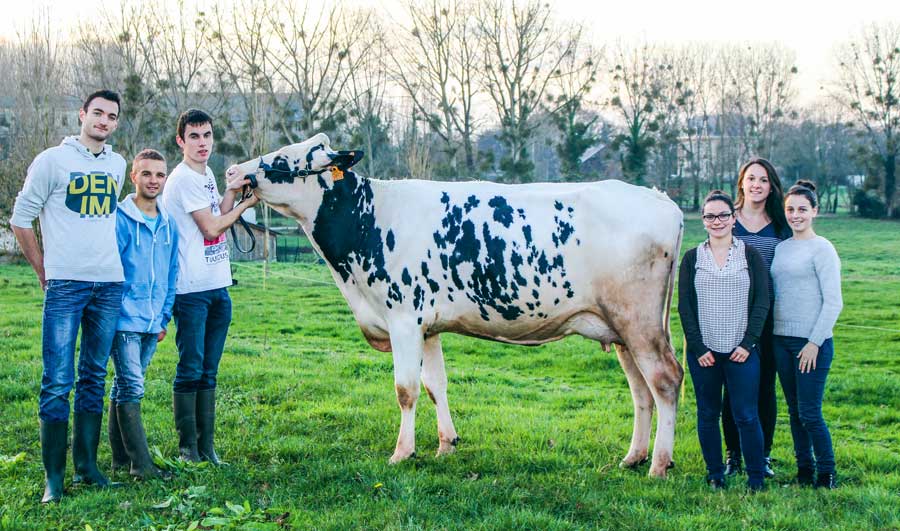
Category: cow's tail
[673,269]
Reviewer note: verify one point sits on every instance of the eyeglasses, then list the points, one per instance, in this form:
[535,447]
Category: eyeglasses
[723,217]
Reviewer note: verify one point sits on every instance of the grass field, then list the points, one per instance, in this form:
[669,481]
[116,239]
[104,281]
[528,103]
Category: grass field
[308,419]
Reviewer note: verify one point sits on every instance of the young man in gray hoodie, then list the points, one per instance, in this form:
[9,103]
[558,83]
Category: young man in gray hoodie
[73,189]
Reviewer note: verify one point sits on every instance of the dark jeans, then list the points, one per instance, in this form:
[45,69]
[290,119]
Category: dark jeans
[803,393]
[767,405]
[202,319]
[68,305]
[743,380]
[131,355]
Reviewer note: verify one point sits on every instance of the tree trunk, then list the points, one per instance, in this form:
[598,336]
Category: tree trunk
[890,183]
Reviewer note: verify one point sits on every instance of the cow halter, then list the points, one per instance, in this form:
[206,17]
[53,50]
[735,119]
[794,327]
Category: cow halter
[264,170]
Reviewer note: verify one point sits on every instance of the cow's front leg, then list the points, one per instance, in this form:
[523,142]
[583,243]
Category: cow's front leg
[407,345]
[434,376]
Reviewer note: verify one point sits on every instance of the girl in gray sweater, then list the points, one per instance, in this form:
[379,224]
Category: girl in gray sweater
[806,272]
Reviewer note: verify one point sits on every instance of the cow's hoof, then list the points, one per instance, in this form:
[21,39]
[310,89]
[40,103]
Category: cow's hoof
[401,455]
[446,448]
[633,462]
[659,471]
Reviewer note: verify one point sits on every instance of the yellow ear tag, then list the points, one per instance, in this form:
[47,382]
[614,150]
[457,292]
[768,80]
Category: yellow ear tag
[336,173]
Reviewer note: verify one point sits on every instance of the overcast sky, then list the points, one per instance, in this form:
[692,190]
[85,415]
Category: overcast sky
[811,29]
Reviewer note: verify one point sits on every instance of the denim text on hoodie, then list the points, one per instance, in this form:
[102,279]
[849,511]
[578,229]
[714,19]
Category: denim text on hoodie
[203,264]
[74,195]
[150,260]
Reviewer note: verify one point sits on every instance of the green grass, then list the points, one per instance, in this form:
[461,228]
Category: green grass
[308,419]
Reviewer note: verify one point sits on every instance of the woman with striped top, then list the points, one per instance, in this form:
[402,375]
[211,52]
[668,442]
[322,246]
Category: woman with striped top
[807,276]
[723,299]
[759,223]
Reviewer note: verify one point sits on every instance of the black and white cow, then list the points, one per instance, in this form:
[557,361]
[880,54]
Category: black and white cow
[522,264]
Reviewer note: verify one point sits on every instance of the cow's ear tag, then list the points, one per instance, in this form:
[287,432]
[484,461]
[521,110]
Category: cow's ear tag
[336,173]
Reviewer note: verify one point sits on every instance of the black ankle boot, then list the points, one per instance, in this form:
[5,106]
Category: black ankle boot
[184,406]
[805,477]
[826,480]
[733,463]
[715,483]
[85,439]
[767,468]
[54,437]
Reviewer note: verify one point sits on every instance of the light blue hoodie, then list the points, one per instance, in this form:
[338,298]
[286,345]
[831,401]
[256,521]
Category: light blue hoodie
[150,261]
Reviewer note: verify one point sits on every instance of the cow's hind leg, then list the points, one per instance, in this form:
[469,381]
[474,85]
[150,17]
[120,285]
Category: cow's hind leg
[434,376]
[656,360]
[407,345]
[643,409]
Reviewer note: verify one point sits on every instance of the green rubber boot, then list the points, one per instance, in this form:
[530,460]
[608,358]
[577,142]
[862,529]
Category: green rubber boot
[134,439]
[206,425]
[54,437]
[185,407]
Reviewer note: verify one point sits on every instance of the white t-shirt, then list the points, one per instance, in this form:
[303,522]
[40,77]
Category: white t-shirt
[202,264]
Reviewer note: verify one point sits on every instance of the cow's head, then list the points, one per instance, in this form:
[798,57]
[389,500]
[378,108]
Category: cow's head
[298,172]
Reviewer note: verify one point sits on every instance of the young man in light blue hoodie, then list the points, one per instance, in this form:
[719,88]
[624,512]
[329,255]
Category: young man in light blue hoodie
[73,189]
[148,245]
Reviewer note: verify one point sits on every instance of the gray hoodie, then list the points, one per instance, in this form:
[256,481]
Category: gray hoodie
[74,195]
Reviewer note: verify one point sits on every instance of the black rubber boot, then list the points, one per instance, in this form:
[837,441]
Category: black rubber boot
[120,459]
[185,408]
[85,439]
[733,463]
[54,437]
[206,425]
[134,439]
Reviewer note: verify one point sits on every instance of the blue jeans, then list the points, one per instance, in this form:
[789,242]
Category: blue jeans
[803,393]
[202,319]
[68,305]
[742,380]
[131,355]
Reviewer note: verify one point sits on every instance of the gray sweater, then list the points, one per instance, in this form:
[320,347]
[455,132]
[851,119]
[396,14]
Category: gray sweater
[75,196]
[807,278]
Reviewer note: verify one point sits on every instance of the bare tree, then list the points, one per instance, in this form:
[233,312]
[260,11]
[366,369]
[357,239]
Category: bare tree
[568,106]
[312,66]
[175,45]
[40,83]
[692,92]
[868,76]
[761,91]
[368,108]
[524,51]
[37,81]
[637,97]
[240,41]
[118,62]
[435,64]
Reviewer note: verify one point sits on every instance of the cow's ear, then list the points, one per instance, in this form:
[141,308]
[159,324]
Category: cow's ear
[346,159]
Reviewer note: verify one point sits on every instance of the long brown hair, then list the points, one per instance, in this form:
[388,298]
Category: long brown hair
[775,200]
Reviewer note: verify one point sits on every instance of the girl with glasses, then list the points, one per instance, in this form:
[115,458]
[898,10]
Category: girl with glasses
[723,300]
[807,275]
[759,223]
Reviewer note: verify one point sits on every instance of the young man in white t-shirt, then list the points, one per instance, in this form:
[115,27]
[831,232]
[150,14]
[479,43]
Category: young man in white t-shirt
[202,308]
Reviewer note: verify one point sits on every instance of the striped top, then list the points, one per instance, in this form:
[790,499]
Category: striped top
[763,241]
